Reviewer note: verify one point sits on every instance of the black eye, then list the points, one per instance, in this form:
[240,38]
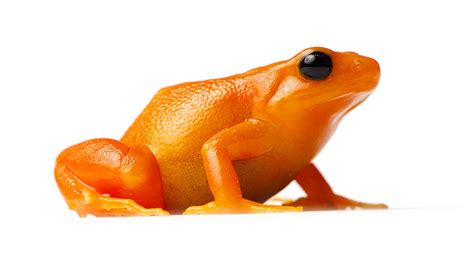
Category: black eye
[316,66]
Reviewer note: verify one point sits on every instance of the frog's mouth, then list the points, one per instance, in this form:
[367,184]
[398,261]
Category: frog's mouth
[337,98]
[337,107]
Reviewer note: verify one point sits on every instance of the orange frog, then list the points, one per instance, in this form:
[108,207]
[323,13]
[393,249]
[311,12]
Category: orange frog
[224,145]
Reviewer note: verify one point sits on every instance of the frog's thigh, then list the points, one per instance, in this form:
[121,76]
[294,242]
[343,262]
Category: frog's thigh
[248,139]
[104,177]
[320,196]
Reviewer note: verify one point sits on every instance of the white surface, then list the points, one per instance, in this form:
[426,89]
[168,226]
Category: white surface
[70,71]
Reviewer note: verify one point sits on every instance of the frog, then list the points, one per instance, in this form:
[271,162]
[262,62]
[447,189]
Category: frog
[224,145]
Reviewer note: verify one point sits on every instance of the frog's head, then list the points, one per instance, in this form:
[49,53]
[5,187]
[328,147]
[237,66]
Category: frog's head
[320,82]
[309,94]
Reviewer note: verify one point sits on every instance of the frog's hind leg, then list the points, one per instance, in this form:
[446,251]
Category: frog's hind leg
[104,177]
[320,196]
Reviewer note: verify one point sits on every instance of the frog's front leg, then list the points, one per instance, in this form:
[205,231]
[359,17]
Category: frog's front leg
[320,196]
[105,177]
[248,139]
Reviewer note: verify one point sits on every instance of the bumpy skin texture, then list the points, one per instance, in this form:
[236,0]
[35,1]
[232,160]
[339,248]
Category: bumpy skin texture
[229,143]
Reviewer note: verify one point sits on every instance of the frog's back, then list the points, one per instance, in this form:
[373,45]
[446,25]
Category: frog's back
[177,122]
[181,118]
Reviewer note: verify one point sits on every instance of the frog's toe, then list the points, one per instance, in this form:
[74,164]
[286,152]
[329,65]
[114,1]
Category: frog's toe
[335,203]
[154,212]
[263,208]
[240,206]
[209,208]
[105,206]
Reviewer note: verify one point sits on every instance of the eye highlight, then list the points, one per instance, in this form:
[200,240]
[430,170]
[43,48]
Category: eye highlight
[316,66]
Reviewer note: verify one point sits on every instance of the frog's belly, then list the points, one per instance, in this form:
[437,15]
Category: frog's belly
[185,182]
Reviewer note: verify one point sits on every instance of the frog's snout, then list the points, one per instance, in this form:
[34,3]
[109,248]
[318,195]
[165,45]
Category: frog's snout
[365,69]
[365,64]
[371,68]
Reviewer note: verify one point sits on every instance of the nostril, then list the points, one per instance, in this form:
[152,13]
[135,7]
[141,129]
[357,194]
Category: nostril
[357,63]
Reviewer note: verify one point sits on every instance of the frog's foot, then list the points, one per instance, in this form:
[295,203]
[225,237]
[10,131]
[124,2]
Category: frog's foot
[335,202]
[239,206]
[105,206]
[104,177]
[321,196]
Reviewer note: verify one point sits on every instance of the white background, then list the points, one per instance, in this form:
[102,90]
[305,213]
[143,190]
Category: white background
[71,71]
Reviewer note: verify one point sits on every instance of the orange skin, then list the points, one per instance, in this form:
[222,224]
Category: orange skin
[222,145]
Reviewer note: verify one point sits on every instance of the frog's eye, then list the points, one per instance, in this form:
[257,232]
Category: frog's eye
[316,66]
